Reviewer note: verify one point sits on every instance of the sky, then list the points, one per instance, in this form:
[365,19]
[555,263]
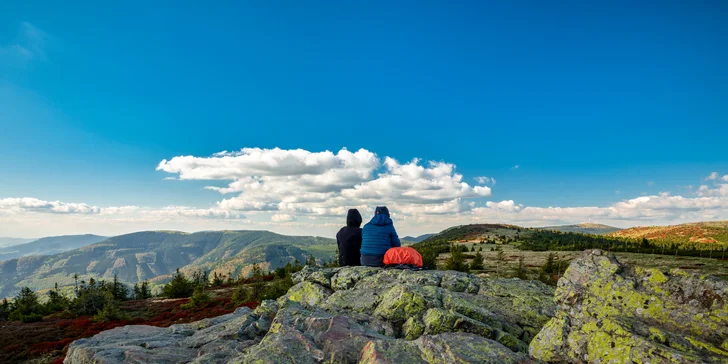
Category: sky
[125,116]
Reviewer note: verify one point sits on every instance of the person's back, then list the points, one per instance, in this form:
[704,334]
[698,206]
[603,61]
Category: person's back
[378,236]
[349,240]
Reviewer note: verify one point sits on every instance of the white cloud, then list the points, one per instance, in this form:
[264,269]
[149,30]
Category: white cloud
[485,180]
[516,166]
[507,205]
[712,176]
[282,218]
[654,209]
[29,45]
[725,178]
[33,204]
[13,206]
[297,181]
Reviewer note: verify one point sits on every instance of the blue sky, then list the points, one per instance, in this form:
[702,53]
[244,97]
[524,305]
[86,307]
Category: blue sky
[597,104]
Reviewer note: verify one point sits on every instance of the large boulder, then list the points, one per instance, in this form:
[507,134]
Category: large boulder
[351,315]
[612,313]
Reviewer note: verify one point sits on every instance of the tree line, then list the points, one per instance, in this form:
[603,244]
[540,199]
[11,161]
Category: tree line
[101,299]
[545,240]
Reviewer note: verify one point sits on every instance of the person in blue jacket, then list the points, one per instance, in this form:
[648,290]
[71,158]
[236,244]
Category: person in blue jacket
[377,236]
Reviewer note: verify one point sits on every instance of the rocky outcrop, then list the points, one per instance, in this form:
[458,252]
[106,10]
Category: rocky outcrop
[351,315]
[601,312]
[612,313]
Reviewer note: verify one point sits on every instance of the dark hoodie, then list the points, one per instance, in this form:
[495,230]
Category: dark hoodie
[378,234]
[349,239]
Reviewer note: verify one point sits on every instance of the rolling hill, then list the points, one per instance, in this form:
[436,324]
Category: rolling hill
[478,232]
[584,228]
[699,232]
[49,246]
[154,255]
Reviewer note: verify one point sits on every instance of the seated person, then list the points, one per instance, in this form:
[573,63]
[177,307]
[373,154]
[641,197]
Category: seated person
[378,236]
[349,240]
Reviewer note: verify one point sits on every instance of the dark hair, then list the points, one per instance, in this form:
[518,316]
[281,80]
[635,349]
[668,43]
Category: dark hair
[381,210]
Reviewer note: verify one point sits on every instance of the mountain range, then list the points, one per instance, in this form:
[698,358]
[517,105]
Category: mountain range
[5,241]
[416,239]
[155,255]
[584,228]
[49,245]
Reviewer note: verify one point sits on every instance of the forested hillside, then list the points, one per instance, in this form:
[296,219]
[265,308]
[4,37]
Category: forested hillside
[154,255]
[49,245]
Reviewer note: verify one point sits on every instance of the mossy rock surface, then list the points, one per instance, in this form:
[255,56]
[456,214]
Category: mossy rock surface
[612,313]
[355,315]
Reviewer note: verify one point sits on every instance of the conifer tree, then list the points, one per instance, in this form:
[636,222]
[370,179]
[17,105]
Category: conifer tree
[520,269]
[456,261]
[178,287]
[500,260]
[477,262]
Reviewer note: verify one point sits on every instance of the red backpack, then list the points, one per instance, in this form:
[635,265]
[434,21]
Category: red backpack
[403,256]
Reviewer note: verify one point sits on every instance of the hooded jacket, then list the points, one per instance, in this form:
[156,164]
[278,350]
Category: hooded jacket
[378,234]
[349,240]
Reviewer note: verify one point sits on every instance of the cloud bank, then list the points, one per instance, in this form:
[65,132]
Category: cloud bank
[300,182]
[303,192]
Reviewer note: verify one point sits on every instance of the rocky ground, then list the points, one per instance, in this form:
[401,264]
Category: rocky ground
[603,312]
[613,313]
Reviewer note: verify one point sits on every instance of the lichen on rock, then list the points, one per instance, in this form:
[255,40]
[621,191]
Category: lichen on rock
[350,315]
[612,313]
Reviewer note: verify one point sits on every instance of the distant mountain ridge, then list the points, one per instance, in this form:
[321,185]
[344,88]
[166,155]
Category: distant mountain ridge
[49,245]
[154,255]
[583,228]
[699,232]
[417,239]
[5,241]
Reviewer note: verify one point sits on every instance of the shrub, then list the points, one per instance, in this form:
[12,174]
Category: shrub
[276,289]
[520,269]
[500,260]
[57,302]
[26,307]
[90,300]
[178,287]
[477,262]
[456,261]
[4,310]
[217,279]
[109,313]
[429,259]
[33,317]
[199,298]
[242,295]
[142,292]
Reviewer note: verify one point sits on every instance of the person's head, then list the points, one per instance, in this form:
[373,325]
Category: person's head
[381,210]
[353,218]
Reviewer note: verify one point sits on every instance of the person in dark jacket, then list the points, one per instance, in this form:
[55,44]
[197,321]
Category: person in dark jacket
[349,240]
[378,236]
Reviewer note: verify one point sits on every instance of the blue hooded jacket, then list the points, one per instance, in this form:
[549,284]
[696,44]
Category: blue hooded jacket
[378,235]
